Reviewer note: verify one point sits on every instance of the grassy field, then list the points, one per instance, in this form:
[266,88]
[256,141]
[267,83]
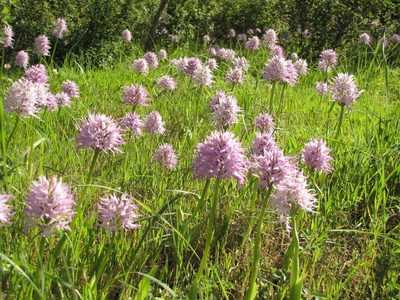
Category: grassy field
[348,248]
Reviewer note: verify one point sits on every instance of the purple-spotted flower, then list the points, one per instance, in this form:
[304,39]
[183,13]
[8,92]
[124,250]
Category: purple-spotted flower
[42,45]
[5,209]
[344,89]
[126,35]
[252,43]
[49,205]
[22,59]
[162,54]
[99,132]
[37,73]
[322,88]
[117,212]
[132,122]
[225,111]
[235,76]
[328,59]
[8,40]
[269,38]
[264,123]
[203,76]
[167,82]
[70,88]
[135,95]
[280,69]
[221,156]
[141,66]
[364,39]
[154,124]
[60,28]
[151,59]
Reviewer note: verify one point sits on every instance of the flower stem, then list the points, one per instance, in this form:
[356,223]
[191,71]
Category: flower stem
[272,97]
[252,290]
[210,232]
[89,176]
[14,130]
[295,284]
[3,144]
[340,122]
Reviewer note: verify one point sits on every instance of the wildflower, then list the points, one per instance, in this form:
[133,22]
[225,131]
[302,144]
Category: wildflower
[175,39]
[221,156]
[167,83]
[232,32]
[141,66]
[132,122]
[21,59]
[206,38]
[42,45]
[55,72]
[212,51]
[117,212]
[166,157]
[224,110]
[270,38]
[262,143]
[226,54]
[162,54]
[301,66]
[60,28]
[70,88]
[327,60]
[384,42]
[235,76]
[344,89]
[395,38]
[364,38]
[277,50]
[8,40]
[241,62]
[50,205]
[7,66]
[135,95]
[99,132]
[25,97]
[264,123]
[154,123]
[280,69]
[180,63]
[63,99]
[212,64]
[292,193]
[294,56]
[250,31]
[192,64]
[316,156]
[242,37]
[126,35]
[37,73]
[322,88]
[252,43]
[5,209]
[151,59]
[203,76]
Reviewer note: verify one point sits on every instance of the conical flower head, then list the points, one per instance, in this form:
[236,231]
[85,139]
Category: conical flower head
[117,212]
[42,45]
[280,69]
[135,95]
[99,132]
[364,38]
[154,123]
[8,40]
[60,28]
[50,205]
[5,209]
[225,111]
[264,123]
[221,156]
[327,60]
[316,156]
[167,83]
[235,76]
[70,88]
[344,89]
[126,35]
[152,59]
[132,122]
[166,157]
[270,38]
[22,59]
[252,43]
[37,73]
[141,66]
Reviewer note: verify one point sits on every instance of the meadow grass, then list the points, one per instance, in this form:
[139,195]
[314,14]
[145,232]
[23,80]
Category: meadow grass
[349,248]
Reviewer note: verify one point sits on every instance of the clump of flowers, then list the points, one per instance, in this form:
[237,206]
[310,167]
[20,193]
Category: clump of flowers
[141,66]
[8,40]
[327,60]
[37,73]
[152,59]
[126,35]
[117,212]
[162,54]
[241,62]
[344,89]
[277,50]
[242,37]
[226,54]
[206,38]
[264,123]
[180,63]
[232,32]
[70,88]
[50,205]
[322,88]
[224,110]
[167,83]
[132,122]
[26,97]
[63,99]
[235,76]
[252,43]
[280,69]
[42,45]
[269,38]
[316,156]
[135,95]
[175,39]
[22,59]
[212,64]
[203,76]
[99,132]
[60,28]
[5,209]
[166,157]
[154,124]
[301,66]
[191,65]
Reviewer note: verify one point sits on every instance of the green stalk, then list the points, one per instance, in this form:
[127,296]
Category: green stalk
[89,176]
[282,97]
[295,284]
[54,51]
[3,143]
[272,97]
[252,210]
[252,290]
[39,268]
[210,233]
[17,121]
[202,201]
[340,122]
